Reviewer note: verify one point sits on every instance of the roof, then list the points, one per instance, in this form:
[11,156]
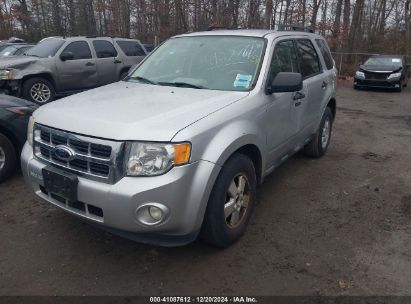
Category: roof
[247,33]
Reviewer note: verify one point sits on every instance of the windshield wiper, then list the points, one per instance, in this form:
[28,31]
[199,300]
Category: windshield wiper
[182,85]
[142,79]
[32,55]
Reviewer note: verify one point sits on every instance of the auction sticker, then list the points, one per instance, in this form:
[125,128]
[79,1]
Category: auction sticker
[242,81]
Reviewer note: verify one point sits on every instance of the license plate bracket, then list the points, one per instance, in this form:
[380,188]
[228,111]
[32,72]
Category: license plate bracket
[61,184]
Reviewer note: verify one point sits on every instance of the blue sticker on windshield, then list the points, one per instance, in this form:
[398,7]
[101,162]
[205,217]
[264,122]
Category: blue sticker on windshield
[242,81]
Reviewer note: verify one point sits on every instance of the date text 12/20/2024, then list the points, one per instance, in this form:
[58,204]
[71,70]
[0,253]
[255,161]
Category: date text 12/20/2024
[203,300]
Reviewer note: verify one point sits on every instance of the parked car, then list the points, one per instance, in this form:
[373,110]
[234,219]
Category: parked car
[149,47]
[178,148]
[383,71]
[14,116]
[62,66]
[15,50]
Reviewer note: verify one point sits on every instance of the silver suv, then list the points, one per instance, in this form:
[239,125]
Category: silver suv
[178,148]
[62,66]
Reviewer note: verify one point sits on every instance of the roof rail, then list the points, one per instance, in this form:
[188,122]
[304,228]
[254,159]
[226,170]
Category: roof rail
[297,28]
[216,28]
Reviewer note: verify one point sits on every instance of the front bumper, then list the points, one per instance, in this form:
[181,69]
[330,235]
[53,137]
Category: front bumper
[375,83]
[184,191]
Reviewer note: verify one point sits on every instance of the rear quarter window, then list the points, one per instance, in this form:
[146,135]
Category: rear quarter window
[131,48]
[325,51]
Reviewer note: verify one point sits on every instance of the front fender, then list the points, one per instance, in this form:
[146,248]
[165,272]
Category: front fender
[218,144]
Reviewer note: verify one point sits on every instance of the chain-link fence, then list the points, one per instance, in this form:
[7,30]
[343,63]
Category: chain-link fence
[347,63]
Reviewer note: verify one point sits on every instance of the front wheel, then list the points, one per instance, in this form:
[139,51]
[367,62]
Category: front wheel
[231,202]
[318,146]
[38,90]
[8,158]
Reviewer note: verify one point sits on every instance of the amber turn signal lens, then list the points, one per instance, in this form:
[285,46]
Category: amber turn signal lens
[181,153]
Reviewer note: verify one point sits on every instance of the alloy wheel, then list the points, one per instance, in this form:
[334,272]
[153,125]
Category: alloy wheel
[237,201]
[40,92]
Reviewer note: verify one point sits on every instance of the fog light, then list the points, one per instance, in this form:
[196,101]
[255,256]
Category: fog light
[151,214]
[155,213]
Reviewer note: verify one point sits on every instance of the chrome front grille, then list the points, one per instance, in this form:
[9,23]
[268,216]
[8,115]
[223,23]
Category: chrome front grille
[95,159]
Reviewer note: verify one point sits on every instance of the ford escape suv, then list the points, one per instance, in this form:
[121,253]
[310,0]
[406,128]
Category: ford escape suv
[178,148]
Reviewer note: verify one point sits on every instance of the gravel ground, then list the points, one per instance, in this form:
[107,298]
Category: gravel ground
[340,225]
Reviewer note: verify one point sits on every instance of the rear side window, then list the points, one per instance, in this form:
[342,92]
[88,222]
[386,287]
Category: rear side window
[284,59]
[325,51]
[131,48]
[104,49]
[80,50]
[309,61]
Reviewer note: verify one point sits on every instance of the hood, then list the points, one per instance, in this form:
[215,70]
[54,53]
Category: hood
[380,68]
[16,61]
[133,111]
[10,101]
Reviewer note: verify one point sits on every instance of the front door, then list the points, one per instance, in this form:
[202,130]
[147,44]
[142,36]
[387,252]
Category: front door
[78,72]
[280,125]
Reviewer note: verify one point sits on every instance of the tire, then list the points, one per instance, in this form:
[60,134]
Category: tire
[8,158]
[42,86]
[317,147]
[222,230]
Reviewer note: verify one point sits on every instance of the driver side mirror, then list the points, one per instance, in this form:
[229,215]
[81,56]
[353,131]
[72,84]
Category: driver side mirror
[286,82]
[66,56]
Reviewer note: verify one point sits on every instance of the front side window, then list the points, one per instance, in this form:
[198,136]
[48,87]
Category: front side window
[104,49]
[325,51]
[131,48]
[79,49]
[284,59]
[229,63]
[46,48]
[309,61]
[8,51]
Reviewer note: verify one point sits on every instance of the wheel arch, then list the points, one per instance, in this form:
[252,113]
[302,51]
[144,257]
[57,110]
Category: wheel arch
[44,75]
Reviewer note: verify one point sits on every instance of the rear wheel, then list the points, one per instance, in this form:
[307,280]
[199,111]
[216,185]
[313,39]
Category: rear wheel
[318,146]
[38,90]
[8,158]
[231,202]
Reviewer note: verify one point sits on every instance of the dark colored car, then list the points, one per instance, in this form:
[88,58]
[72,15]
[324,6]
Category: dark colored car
[14,117]
[15,49]
[383,71]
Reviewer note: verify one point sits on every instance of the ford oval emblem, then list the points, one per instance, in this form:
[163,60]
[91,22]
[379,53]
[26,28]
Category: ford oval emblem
[64,153]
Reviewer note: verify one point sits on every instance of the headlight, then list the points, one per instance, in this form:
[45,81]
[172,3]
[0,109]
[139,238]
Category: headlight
[152,159]
[6,74]
[394,75]
[360,74]
[30,128]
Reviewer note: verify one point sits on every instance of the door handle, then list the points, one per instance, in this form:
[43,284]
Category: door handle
[298,95]
[117,61]
[89,64]
[324,85]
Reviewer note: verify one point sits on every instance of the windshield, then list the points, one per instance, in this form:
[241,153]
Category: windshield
[46,48]
[229,63]
[390,61]
[8,51]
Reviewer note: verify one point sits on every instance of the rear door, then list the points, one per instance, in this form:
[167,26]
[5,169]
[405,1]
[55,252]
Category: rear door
[133,51]
[315,85]
[79,72]
[108,65]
